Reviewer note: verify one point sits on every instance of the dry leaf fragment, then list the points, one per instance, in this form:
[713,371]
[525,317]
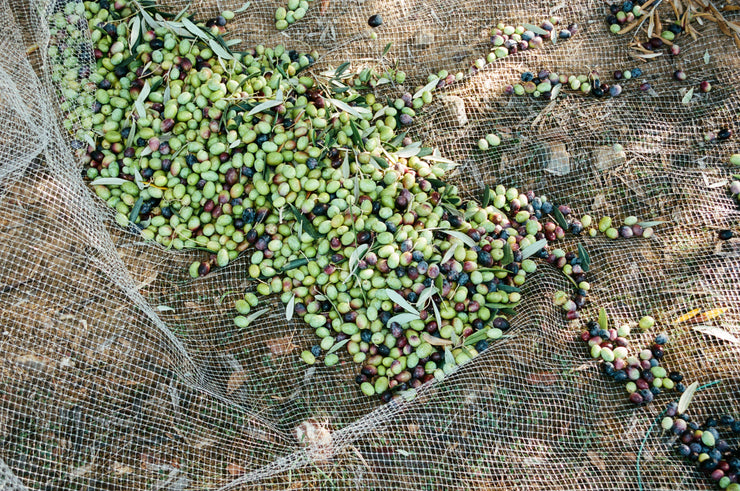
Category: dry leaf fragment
[281,346]
[711,314]
[237,378]
[717,332]
[686,316]
[235,469]
[434,341]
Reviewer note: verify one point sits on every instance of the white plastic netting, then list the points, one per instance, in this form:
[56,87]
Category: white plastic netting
[119,371]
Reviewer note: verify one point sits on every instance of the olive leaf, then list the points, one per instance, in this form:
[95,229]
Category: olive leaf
[268,104]
[254,315]
[439,282]
[148,18]
[533,249]
[403,319]
[449,358]
[584,257]
[135,32]
[603,320]
[355,257]
[437,316]
[397,298]
[108,181]
[425,295]
[449,253]
[508,289]
[345,166]
[341,69]
[486,196]
[167,94]
[220,51]
[460,236]
[556,89]
[475,337]
[139,103]
[494,269]
[135,210]
[354,111]
[686,397]
[290,308]
[382,163]
[652,223]
[138,179]
[165,308]
[687,96]
[409,150]
[502,305]
[356,138]
[242,8]
[386,49]
[558,215]
[508,255]
[706,57]
[194,30]
[337,346]
[305,222]
[717,332]
[535,29]
[427,88]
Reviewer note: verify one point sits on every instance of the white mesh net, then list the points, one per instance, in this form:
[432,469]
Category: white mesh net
[120,371]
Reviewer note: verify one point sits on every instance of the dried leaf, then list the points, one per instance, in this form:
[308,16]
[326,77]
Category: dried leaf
[706,57]
[281,346]
[711,314]
[533,249]
[652,223]
[236,380]
[434,341]
[398,299]
[686,316]
[683,403]
[235,469]
[717,332]
[290,308]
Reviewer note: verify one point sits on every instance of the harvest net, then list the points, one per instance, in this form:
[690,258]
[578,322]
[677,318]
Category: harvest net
[120,371]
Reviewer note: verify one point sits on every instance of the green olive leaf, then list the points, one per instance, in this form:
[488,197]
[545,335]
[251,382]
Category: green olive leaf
[382,163]
[386,49]
[449,358]
[305,222]
[220,51]
[603,320]
[290,308]
[255,315]
[486,196]
[345,166]
[652,223]
[296,263]
[706,57]
[425,295]
[508,289]
[427,88]
[194,30]
[337,346]
[687,96]
[135,29]
[356,111]
[584,257]
[108,181]
[476,336]
[558,215]
[508,255]
[341,69]
[437,316]
[686,397]
[449,253]
[398,299]
[533,249]
[535,29]
[403,319]
[134,215]
[139,103]
[242,8]
[268,104]
[462,237]
[356,256]
[409,150]
[502,305]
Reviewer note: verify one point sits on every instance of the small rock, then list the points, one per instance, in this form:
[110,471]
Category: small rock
[454,108]
[558,162]
[608,157]
[423,39]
